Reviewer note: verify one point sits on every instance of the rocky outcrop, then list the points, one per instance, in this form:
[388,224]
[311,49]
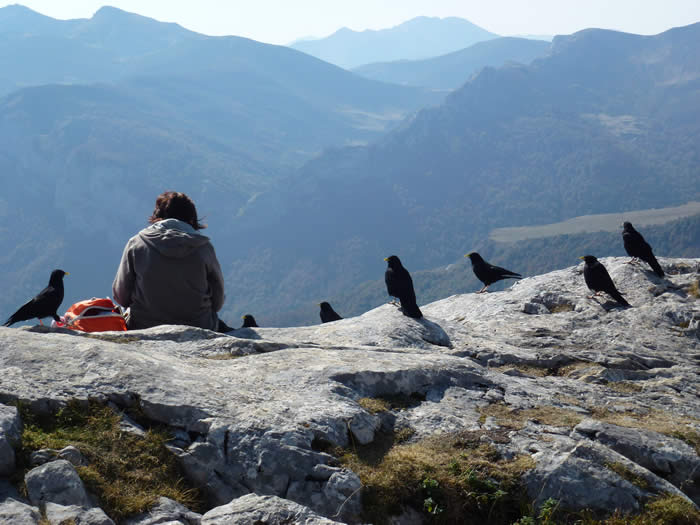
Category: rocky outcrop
[10,436]
[602,398]
[253,509]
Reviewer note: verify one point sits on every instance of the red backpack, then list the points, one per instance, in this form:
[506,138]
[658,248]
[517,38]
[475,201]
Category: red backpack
[94,315]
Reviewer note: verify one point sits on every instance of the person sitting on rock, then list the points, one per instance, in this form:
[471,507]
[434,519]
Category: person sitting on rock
[169,273]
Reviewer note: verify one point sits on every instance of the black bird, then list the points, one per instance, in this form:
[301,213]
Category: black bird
[488,273]
[327,313]
[598,279]
[249,321]
[44,304]
[400,285]
[637,248]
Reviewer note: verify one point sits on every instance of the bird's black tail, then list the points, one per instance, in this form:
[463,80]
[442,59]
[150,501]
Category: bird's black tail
[411,310]
[656,266]
[618,297]
[9,322]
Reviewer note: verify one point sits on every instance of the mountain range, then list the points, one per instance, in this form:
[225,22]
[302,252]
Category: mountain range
[607,122]
[310,175]
[98,116]
[454,69]
[418,38]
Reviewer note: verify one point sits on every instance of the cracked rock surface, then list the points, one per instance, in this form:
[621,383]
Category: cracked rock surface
[250,406]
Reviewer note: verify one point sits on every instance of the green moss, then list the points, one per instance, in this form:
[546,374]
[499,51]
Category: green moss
[127,473]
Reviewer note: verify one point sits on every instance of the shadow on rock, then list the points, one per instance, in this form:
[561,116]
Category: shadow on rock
[435,334]
[244,333]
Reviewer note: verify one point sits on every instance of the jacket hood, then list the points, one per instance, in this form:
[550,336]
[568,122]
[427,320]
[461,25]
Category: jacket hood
[173,238]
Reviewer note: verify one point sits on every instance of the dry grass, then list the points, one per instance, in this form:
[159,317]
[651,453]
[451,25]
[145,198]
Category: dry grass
[694,289]
[625,387]
[541,371]
[625,473]
[655,420]
[515,419]
[529,370]
[667,510]
[560,308]
[126,472]
[566,371]
[221,357]
[450,478]
[374,405]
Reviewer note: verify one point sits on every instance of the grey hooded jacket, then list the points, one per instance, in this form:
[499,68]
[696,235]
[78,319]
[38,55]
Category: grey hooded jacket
[169,274]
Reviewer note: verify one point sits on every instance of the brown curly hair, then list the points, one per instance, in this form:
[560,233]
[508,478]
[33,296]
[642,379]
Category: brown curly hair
[176,205]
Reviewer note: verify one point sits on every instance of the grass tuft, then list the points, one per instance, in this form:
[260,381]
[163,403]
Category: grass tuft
[655,420]
[449,478]
[563,307]
[694,289]
[515,419]
[625,473]
[625,387]
[666,510]
[126,472]
[375,405]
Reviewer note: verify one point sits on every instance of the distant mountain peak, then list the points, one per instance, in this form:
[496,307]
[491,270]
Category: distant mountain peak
[418,38]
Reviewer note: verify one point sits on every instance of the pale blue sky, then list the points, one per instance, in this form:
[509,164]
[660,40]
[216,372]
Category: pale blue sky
[281,21]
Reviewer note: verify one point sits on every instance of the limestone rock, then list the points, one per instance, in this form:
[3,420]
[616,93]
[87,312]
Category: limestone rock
[166,511]
[257,410]
[69,453]
[56,482]
[59,514]
[253,509]
[14,511]
[10,435]
[665,456]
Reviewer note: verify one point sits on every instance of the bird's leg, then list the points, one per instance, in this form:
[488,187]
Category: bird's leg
[41,323]
[633,260]
[394,302]
[483,289]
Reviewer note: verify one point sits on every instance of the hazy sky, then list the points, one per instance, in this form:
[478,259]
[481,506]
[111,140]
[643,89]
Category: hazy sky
[281,21]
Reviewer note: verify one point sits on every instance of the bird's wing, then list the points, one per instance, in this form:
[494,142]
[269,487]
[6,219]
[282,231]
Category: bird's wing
[502,271]
[603,279]
[390,278]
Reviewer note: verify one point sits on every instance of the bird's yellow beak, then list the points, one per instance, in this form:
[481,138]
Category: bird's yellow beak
[468,254]
[582,257]
[243,317]
[66,274]
[386,258]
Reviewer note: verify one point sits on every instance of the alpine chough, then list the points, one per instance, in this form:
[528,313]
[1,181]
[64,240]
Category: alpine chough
[249,321]
[327,313]
[400,285]
[637,248]
[45,304]
[488,273]
[598,279]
